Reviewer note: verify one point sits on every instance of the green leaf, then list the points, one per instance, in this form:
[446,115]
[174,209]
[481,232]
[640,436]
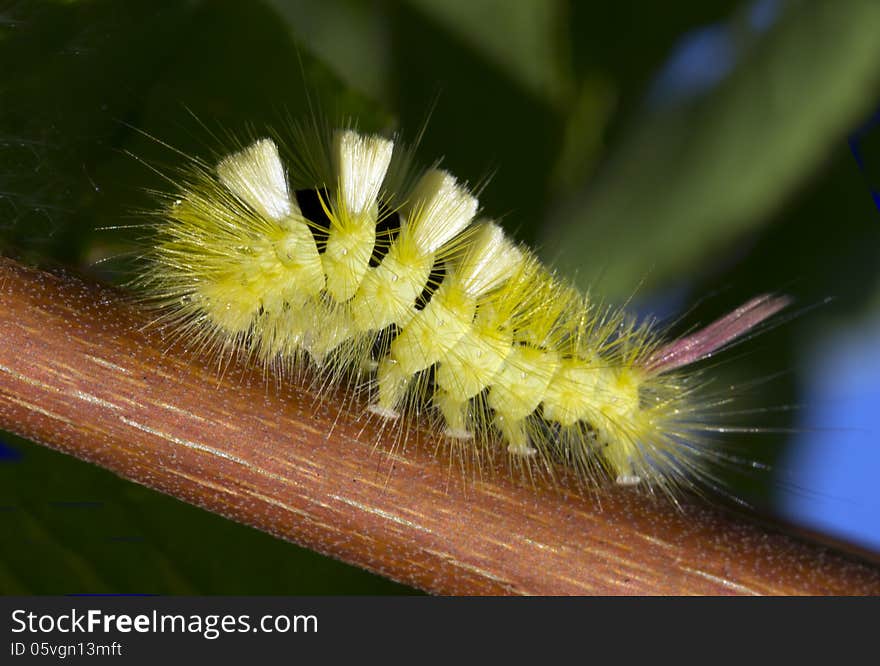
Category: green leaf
[348,36]
[687,182]
[526,39]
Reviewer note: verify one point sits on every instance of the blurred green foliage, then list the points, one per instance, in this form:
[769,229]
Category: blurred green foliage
[688,180]
[741,187]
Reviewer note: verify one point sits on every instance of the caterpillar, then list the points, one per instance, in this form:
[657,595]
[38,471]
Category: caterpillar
[344,260]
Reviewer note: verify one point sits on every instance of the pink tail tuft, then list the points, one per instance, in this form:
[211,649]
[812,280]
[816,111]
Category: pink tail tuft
[717,335]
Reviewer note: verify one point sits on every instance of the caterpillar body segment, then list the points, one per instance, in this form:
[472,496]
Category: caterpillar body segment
[435,307]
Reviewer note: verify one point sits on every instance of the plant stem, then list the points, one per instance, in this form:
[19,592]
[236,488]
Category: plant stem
[79,373]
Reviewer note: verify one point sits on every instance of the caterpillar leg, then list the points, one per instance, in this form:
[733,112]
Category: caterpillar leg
[619,454]
[393,382]
[329,326]
[454,412]
[514,433]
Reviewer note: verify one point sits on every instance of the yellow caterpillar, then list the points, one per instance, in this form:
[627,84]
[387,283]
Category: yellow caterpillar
[356,265]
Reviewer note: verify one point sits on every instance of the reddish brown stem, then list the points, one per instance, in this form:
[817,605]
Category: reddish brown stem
[78,374]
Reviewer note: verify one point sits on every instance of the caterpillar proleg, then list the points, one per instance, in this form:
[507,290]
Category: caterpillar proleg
[344,260]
